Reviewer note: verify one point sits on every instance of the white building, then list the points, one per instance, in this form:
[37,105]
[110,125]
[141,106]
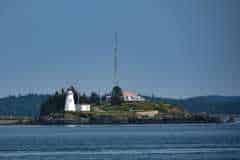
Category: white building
[69,102]
[70,105]
[83,107]
[129,97]
[132,97]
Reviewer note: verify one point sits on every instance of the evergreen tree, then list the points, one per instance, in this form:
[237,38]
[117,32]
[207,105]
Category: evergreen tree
[62,91]
[83,98]
[117,96]
[54,104]
[94,98]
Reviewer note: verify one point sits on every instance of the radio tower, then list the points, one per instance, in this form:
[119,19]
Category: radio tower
[115,78]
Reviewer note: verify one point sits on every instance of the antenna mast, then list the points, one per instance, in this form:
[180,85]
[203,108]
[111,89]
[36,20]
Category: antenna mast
[115,83]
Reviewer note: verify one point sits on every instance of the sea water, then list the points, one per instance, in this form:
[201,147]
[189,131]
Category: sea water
[127,142]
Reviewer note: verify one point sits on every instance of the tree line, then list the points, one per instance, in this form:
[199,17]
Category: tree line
[56,102]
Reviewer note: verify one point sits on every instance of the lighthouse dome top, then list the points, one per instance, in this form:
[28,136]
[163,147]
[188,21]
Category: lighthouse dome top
[69,92]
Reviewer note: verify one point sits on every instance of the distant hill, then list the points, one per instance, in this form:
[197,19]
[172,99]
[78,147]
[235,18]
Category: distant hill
[28,105]
[210,104]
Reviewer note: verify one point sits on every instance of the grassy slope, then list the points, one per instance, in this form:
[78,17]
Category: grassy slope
[138,107]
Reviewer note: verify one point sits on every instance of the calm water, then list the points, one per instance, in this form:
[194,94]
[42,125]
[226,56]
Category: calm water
[166,141]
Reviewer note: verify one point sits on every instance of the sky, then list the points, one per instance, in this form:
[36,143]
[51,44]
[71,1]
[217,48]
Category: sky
[168,48]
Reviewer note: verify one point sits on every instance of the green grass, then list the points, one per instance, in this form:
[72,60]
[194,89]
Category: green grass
[139,106]
[127,109]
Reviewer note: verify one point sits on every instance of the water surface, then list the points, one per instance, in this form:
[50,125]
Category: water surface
[135,142]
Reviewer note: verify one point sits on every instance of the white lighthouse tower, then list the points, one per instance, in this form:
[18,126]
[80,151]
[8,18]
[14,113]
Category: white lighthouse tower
[69,103]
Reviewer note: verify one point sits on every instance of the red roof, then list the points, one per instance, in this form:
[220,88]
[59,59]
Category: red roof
[127,93]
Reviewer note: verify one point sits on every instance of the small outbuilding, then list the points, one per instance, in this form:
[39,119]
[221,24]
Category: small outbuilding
[83,107]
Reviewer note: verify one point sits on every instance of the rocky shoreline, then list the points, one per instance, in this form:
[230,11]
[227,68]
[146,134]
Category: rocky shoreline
[103,119]
[198,118]
[88,119]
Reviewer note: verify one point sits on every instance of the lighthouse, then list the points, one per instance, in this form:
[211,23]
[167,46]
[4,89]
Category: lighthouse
[69,102]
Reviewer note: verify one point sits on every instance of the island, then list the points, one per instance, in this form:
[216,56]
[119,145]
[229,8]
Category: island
[118,107]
